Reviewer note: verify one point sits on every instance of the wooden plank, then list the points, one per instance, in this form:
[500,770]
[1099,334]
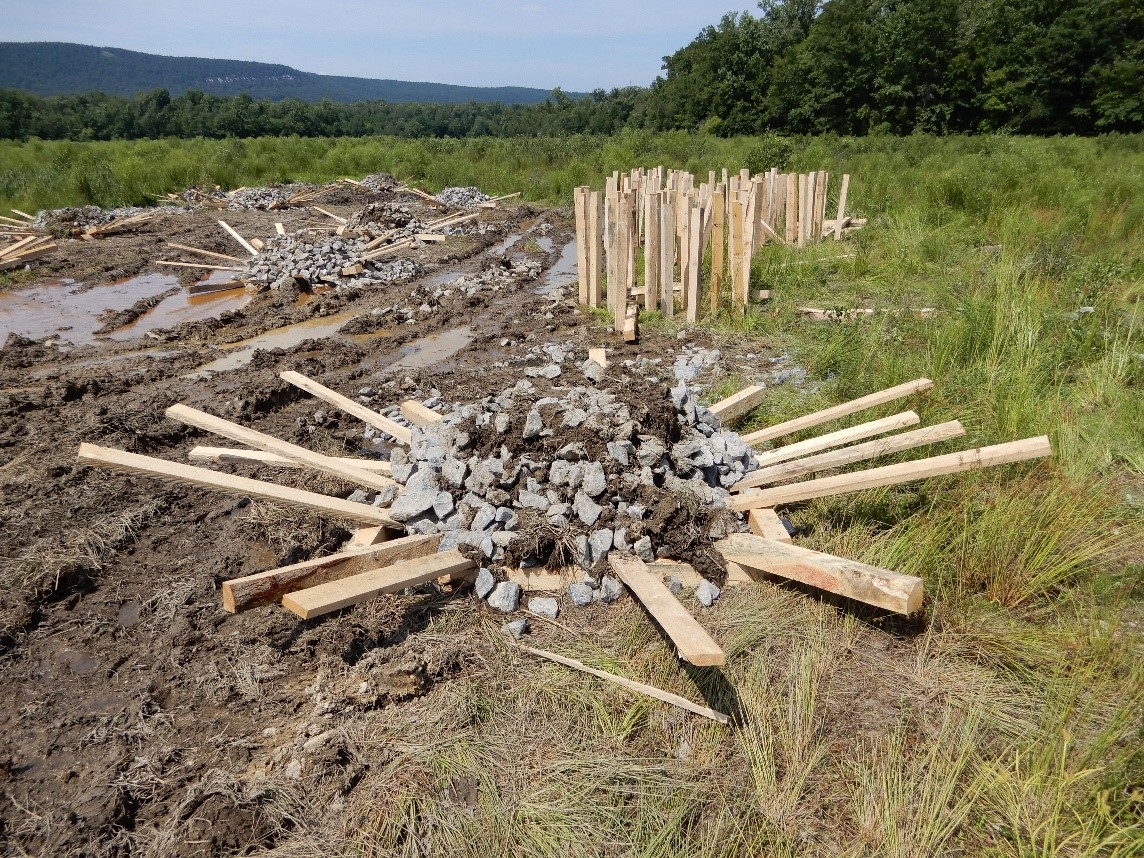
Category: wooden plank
[270,444]
[835,412]
[430,237]
[819,203]
[335,217]
[838,222]
[418,414]
[238,456]
[837,439]
[860,581]
[333,595]
[890,475]
[652,254]
[344,403]
[766,522]
[667,257]
[197,265]
[280,229]
[632,685]
[600,356]
[803,207]
[266,588]
[857,453]
[24,215]
[580,197]
[632,324]
[739,290]
[119,460]
[694,263]
[595,247]
[209,253]
[718,238]
[737,405]
[691,639]
[233,234]
[791,207]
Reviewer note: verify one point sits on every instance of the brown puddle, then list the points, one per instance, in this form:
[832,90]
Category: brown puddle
[432,349]
[185,308]
[564,272]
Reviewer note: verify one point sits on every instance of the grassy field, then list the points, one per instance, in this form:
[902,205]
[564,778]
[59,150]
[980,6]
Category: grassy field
[1004,722]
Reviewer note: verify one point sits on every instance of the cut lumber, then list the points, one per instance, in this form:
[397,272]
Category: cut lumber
[24,215]
[238,456]
[857,453]
[890,475]
[366,415]
[266,588]
[335,217]
[198,265]
[631,324]
[766,522]
[270,444]
[364,537]
[691,640]
[835,412]
[837,439]
[739,404]
[280,228]
[133,463]
[418,414]
[631,685]
[429,237]
[233,234]
[882,588]
[333,595]
[209,253]
[600,356]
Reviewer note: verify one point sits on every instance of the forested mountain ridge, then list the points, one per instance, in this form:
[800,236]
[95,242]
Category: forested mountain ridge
[63,68]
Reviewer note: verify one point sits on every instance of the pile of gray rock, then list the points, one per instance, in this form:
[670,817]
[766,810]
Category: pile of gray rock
[379,183]
[261,199]
[88,216]
[322,260]
[462,198]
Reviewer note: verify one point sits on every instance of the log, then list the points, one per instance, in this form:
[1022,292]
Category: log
[837,439]
[890,475]
[233,234]
[418,414]
[632,685]
[766,522]
[266,588]
[691,639]
[857,453]
[739,404]
[333,595]
[270,444]
[366,415]
[233,456]
[882,588]
[133,463]
[837,411]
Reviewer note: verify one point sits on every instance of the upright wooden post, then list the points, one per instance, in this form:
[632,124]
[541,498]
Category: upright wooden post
[803,208]
[695,267]
[667,255]
[841,206]
[686,203]
[652,255]
[595,247]
[738,287]
[580,196]
[791,208]
[718,207]
[820,202]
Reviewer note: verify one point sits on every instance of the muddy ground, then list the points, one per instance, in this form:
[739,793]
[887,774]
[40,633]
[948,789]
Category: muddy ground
[138,717]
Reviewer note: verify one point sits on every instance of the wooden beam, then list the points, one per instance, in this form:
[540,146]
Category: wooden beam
[233,456]
[860,581]
[266,588]
[270,444]
[418,414]
[857,453]
[837,439]
[215,267]
[580,199]
[24,215]
[766,522]
[595,247]
[839,221]
[632,685]
[430,237]
[691,639]
[335,217]
[739,404]
[333,595]
[718,240]
[367,415]
[133,463]
[210,253]
[890,475]
[233,234]
[837,411]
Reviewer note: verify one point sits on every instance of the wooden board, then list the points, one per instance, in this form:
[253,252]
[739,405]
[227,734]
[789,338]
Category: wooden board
[600,356]
[133,463]
[737,405]
[906,472]
[766,522]
[418,414]
[266,588]
[718,240]
[837,439]
[837,411]
[209,253]
[691,640]
[860,581]
[595,247]
[857,453]
[839,221]
[333,595]
[366,415]
[233,234]
[270,444]
[238,456]
[197,265]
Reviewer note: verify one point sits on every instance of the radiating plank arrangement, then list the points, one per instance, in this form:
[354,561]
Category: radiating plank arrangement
[21,242]
[678,225]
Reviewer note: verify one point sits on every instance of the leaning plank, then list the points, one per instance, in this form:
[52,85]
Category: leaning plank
[835,412]
[210,253]
[766,522]
[632,685]
[880,587]
[335,217]
[270,444]
[233,234]
[324,598]
[367,415]
[691,639]
[906,472]
[119,460]
[418,414]
[739,404]
[24,215]
[837,439]
[233,456]
[857,453]
[266,588]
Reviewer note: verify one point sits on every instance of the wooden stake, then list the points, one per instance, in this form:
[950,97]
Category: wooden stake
[667,257]
[367,415]
[694,263]
[581,200]
[739,290]
[652,254]
[245,244]
[198,265]
[838,223]
[718,208]
[210,253]
[595,248]
[791,208]
[803,208]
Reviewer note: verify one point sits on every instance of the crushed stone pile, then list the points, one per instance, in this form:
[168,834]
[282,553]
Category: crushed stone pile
[322,260]
[261,199]
[379,183]
[89,216]
[462,198]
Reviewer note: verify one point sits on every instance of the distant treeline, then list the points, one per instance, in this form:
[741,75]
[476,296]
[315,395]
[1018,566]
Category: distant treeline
[800,67]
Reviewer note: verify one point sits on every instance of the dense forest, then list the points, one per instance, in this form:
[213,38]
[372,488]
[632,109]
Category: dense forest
[799,66]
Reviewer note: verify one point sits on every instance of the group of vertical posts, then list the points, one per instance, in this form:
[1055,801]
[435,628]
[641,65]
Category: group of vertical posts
[680,229]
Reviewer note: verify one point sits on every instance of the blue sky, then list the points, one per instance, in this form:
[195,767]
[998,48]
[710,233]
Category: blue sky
[577,45]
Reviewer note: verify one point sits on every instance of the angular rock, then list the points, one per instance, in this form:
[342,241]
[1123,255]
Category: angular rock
[707,593]
[586,509]
[580,594]
[505,597]
[595,481]
[543,606]
[485,582]
[610,590]
[533,424]
[517,628]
